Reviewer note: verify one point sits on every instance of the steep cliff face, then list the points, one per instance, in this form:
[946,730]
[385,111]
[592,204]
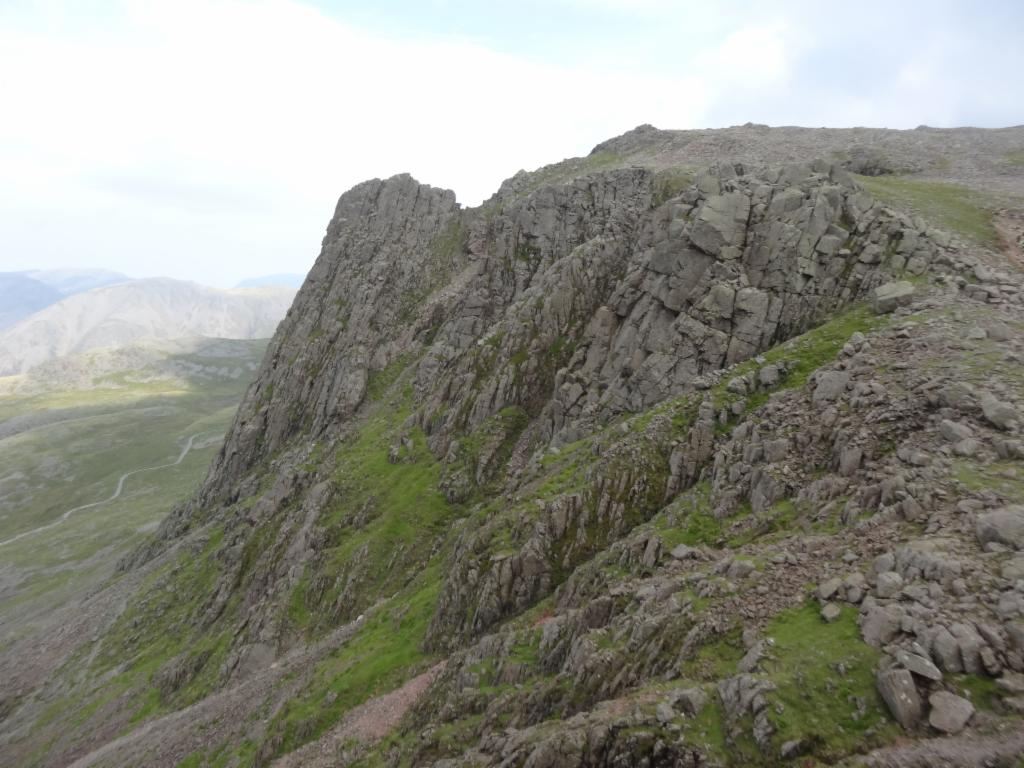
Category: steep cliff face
[558,472]
[383,249]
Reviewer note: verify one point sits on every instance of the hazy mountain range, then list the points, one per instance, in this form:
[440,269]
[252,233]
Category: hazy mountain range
[126,312]
[22,293]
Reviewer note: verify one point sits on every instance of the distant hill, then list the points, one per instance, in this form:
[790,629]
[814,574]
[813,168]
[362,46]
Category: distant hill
[157,308]
[21,295]
[288,279]
[71,281]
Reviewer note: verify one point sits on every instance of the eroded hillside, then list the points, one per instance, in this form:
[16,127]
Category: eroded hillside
[655,458]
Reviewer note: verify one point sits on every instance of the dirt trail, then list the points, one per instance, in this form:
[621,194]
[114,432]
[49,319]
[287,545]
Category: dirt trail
[367,723]
[112,497]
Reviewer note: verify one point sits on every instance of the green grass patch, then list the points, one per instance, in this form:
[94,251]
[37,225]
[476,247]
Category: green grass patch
[385,652]
[982,691]
[825,683]
[716,660]
[803,354]
[948,206]
[567,170]
[1004,477]
[670,182]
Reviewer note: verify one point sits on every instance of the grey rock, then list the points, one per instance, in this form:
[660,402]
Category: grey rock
[1013,568]
[881,624]
[828,588]
[689,701]
[967,447]
[830,385]
[721,224]
[791,749]
[897,689]
[1003,526]
[889,584]
[769,376]
[1001,415]
[683,552]
[955,431]
[946,651]
[665,713]
[830,612]
[919,665]
[998,331]
[884,562]
[970,644]
[949,713]
[890,296]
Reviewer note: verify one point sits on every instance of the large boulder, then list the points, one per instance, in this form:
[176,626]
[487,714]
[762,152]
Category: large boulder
[1002,526]
[890,296]
[830,385]
[1001,415]
[897,689]
[950,712]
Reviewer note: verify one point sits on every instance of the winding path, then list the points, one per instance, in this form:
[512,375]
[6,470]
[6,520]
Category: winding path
[112,497]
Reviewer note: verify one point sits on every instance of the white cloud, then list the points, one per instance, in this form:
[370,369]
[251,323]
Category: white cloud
[266,112]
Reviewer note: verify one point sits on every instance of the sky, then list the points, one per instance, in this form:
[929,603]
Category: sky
[209,141]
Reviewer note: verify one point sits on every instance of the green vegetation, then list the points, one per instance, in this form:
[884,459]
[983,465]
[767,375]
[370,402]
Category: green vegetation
[1016,157]
[76,444]
[948,206]
[567,170]
[983,691]
[670,182]
[825,684]
[689,520]
[803,354]
[388,515]
[386,651]
[1004,477]
[716,660]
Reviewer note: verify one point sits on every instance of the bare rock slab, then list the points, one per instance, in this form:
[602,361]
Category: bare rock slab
[897,689]
[950,712]
[890,296]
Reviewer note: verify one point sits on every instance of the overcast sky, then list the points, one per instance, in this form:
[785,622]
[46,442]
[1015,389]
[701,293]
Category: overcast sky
[210,140]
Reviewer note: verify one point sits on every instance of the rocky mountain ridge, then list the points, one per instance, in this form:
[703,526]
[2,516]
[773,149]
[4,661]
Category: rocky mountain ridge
[635,464]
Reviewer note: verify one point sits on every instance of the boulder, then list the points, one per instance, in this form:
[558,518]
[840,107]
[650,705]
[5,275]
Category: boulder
[889,584]
[955,431]
[950,712]
[890,296]
[829,587]
[1002,526]
[897,689]
[880,624]
[830,385]
[919,665]
[1001,415]
[689,701]
[830,612]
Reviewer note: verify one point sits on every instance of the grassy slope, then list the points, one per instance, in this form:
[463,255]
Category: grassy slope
[949,206]
[103,433]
